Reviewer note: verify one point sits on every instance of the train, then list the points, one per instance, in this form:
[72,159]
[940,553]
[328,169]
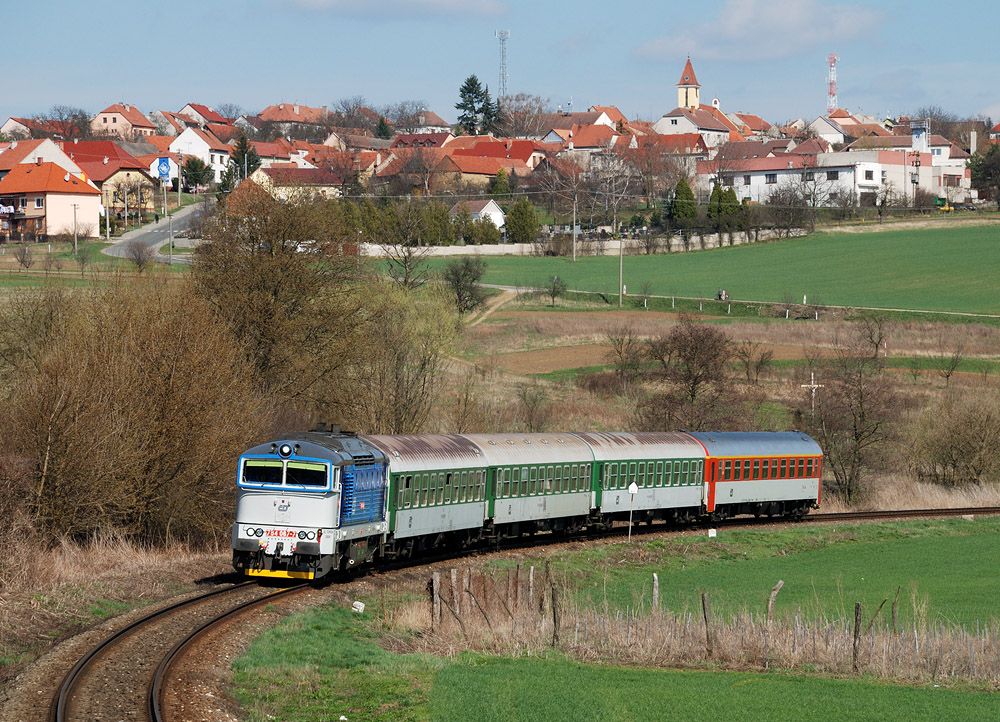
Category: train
[325,501]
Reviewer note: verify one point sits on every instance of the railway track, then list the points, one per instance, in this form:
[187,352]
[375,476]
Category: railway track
[63,707]
[119,665]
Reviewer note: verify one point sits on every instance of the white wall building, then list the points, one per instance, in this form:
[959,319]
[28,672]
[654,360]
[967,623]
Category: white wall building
[205,146]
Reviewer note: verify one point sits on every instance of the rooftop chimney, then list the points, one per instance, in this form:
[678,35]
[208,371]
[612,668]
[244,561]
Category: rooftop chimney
[105,160]
[295,109]
[38,160]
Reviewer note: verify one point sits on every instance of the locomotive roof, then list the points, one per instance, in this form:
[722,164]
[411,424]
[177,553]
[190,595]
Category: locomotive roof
[334,447]
[513,449]
[428,451]
[754,443]
[611,446]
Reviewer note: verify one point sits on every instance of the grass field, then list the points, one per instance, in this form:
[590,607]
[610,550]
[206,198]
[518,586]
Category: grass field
[945,269]
[325,663]
[826,568]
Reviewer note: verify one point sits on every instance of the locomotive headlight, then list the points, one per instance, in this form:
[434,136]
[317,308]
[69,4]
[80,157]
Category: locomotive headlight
[250,531]
[302,535]
[310,535]
[285,450]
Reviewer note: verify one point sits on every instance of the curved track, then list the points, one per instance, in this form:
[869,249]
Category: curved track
[66,699]
[154,708]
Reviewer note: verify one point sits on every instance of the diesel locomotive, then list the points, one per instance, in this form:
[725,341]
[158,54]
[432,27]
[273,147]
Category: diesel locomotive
[314,503]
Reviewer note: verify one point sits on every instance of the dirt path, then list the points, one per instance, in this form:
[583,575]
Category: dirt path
[492,305]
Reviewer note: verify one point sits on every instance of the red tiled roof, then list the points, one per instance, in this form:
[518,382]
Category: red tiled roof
[676,143]
[208,114]
[477,165]
[213,142]
[812,146]
[593,136]
[160,142]
[841,113]
[282,176]
[615,115]
[44,178]
[101,159]
[398,158]
[754,122]
[517,149]
[270,150]
[995,128]
[687,75]
[551,121]
[734,130]
[430,118]
[131,113]
[782,162]
[470,206]
[177,121]
[294,113]
[11,154]
[420,140]
[223,131]
[701,118]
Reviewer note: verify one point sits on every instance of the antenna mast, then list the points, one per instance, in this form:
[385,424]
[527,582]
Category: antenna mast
[831,83]
[502,36]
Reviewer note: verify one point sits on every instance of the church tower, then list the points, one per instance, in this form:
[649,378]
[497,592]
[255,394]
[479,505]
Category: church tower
[688,89]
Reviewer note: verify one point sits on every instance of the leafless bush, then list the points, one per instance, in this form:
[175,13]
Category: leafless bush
[534,407]
[625,354]
[124,407]
[24,257]
[753,359]
[957,442]
[140,254]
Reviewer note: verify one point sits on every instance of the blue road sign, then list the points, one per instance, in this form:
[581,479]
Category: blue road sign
[163,167]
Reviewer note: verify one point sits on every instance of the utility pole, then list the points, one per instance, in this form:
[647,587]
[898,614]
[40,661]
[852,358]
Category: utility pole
[574,228]
[107,218]
[164,198]
[621,271]
[179,177]
[126,209]
[75,206]
[170,236]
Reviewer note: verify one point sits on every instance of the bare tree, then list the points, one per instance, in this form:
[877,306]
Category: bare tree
[657,170]
[140,254]
[402,244]
[525,115]
[615,180]
[853,412]
[555,288]
[957,441]
[535,409]
[949,359]
[67,122]
[24,257]
[463,276]
[406,115]
[753,358]
[625,354]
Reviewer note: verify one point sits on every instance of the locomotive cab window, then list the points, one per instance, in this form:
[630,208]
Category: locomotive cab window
[262,471]
[301,473]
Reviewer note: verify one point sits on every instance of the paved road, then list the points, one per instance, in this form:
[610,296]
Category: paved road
[155,235]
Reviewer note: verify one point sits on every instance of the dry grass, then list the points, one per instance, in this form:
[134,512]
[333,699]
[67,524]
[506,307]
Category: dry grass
[901,492]
[50,593]
[492,615]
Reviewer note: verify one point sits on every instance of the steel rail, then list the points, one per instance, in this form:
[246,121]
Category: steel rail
[61,700]
[154,693]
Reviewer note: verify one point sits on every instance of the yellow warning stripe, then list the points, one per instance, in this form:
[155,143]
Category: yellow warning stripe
[279,573]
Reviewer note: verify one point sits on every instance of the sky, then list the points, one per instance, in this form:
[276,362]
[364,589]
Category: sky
[760,56]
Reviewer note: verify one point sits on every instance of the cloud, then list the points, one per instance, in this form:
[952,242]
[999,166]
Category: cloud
[764,30]
[391,9]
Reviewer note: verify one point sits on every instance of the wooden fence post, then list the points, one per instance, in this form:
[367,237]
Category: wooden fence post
[456,599]
[531,586]
[555,615]
[656,592]
[707,614]
[773,598]
[436,599]
[895,611]
[857,636]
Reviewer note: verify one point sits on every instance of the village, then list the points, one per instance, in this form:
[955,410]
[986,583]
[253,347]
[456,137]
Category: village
[67,173]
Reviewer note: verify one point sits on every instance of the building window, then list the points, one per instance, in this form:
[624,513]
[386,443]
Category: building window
[727,181]
[105,119]
[24,203]
[114,119]
[935,151]
[869,175]
[673,121]
[746,180]
[808,176]
[771,178]
[834,196]
[833,175]
[39,203]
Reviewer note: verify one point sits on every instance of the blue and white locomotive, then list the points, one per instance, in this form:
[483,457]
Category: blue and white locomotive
[322,501]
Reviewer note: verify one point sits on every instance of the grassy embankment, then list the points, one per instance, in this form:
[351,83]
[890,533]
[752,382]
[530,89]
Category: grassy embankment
[328,662]
[936,269]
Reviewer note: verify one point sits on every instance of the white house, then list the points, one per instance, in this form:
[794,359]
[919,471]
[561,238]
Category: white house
[827,129]
[683,120]
[478,210]
[205,146]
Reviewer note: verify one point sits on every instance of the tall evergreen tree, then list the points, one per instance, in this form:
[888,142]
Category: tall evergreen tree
[500,184]
[683,209]
[522,222]
[383,130]
[244,158]
[715,204]
[470,104]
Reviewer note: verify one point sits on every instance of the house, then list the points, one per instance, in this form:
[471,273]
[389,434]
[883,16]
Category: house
[114,172]
[478,210]
[205,146]
[171,123]
[299,183]
[995,133]
[616,117]
[289,116]
[42,199]
[203,114]
[531,152]
[124,120]
[421,140]
[952,179]
[755,127]
[428,121]
[23,152]
[549,122]
[36,128]
[339,134]
[459,170]
[714,131]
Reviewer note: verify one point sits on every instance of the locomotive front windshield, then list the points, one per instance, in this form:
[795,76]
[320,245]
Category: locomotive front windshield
[274,472]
